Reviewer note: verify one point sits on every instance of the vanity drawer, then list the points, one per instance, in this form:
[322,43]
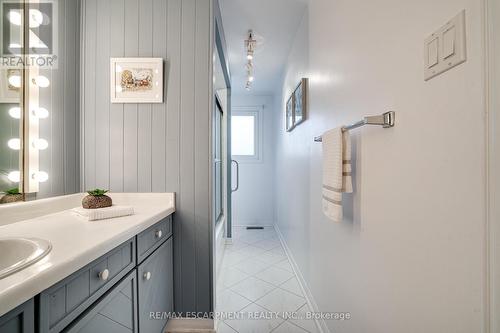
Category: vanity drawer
[116,312]
[66,300]
[151,238]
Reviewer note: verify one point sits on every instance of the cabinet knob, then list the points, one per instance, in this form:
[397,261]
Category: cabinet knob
[104,275]
[158,234]
[147,275]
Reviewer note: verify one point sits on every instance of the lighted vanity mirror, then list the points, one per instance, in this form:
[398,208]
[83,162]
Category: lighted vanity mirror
[39,99]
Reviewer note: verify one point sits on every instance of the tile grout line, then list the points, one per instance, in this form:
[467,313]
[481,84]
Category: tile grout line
[320,323]
[249,256]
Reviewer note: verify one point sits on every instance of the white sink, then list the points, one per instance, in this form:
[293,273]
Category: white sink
[18,253]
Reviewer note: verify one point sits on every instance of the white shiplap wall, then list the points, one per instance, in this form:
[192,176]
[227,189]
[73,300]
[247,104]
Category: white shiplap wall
[155,147]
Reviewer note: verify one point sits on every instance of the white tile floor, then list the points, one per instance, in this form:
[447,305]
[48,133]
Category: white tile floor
[257,279]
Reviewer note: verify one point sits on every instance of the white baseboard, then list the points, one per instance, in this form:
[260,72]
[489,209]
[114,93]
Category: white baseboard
[320,323]
[190,325]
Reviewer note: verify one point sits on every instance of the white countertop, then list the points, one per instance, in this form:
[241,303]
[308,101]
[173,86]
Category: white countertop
[75,241]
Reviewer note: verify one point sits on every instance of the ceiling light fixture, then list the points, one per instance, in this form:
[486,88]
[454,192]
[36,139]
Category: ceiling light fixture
[250,45]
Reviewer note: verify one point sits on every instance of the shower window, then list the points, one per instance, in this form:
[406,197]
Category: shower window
[245,134]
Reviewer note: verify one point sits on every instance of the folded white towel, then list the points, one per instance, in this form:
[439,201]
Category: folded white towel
[336,171]
[103,213]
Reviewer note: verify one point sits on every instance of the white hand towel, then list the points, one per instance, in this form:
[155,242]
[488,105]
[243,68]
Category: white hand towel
[336,171]
[103,213]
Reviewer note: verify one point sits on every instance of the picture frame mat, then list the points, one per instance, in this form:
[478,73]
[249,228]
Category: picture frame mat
[156,94]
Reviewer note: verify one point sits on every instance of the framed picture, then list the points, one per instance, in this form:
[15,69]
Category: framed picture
[136,80]
[290,113]
[10,85]
[300,102]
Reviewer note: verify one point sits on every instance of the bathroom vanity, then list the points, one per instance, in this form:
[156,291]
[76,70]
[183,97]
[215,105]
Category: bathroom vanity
[104,276]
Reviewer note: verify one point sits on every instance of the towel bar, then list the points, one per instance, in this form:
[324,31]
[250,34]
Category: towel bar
[385,120]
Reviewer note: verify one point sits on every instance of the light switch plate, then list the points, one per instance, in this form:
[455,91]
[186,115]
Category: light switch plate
[432,53]
[449,42]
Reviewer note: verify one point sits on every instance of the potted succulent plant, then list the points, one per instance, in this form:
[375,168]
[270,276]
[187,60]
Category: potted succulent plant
[12,195]
[96,199]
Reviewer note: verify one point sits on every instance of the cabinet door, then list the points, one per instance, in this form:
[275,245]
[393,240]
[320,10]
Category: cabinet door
[68,299]
[155,281]
[115,313]
[19,320]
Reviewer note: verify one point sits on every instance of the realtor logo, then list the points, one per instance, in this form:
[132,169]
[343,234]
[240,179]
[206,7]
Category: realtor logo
[28,34]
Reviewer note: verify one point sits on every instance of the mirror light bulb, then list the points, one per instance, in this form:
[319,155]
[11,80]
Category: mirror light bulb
[40,113]
[15,81]
[41,81]
[14,144]
[15,17]
[36,18]
[40,144]
[15,112]
[40,176]
[250,57]
[14,176]
[250,78]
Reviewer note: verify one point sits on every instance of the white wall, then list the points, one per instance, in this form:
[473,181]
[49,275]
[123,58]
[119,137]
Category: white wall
[494,165]
[253,203]
[410,253]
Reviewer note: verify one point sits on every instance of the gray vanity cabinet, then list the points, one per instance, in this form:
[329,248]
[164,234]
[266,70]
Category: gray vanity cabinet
[19,320]
[116,293]
[115,313]
[155,281]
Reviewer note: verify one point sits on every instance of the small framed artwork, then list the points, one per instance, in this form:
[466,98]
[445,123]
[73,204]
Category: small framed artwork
[289,113]
[300,102]
[136,80]
[10,85]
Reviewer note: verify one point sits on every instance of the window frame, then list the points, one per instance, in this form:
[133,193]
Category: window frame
[256,112]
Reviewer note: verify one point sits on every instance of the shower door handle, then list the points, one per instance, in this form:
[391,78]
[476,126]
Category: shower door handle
[237,176]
